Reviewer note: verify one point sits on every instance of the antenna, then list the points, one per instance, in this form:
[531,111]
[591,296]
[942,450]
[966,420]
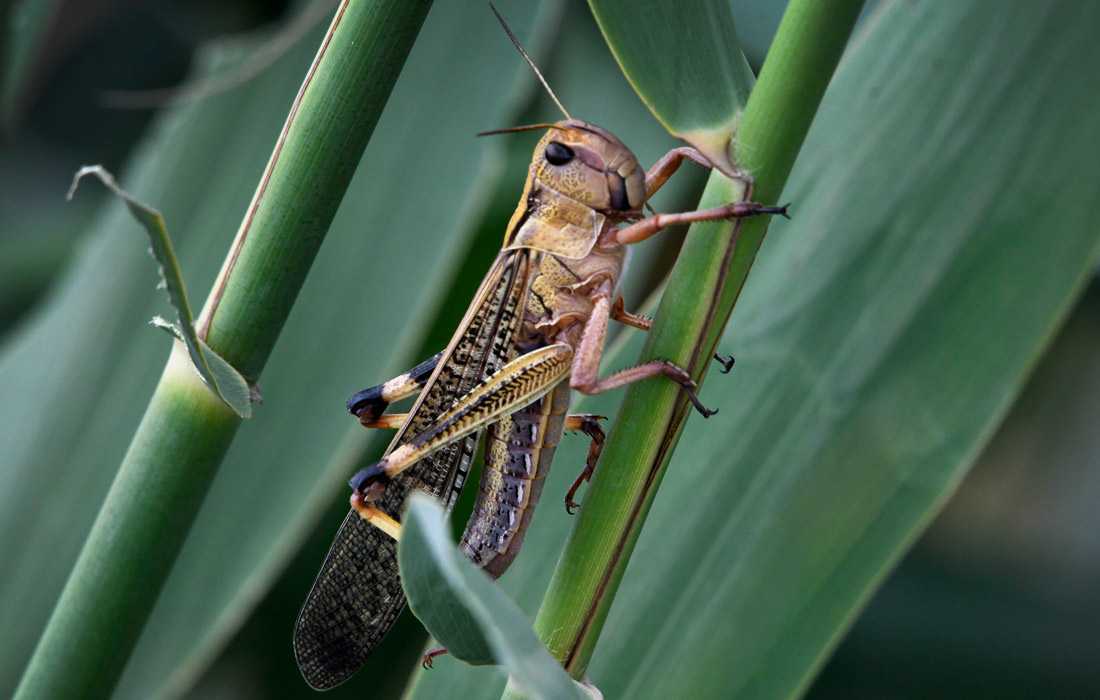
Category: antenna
[514,129]
[526,57]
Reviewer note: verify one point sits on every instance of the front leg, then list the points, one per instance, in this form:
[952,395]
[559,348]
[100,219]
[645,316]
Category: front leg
[641,230]
[659,174]
[663,169]
[586,362]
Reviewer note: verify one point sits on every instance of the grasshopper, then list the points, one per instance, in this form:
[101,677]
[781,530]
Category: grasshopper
[533,334]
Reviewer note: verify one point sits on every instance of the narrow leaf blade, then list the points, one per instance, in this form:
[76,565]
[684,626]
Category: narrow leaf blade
[466,611]
[222,378]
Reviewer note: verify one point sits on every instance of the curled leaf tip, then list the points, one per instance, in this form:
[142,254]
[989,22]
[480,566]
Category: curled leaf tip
[223,379]
[97,170]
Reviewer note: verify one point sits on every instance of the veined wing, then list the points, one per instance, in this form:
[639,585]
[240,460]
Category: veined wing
[357,594]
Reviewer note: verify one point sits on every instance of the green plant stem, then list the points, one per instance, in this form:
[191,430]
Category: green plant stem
[702,289]
[186,430]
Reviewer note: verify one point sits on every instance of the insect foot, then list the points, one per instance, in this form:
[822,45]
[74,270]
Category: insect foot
[706,412]
[368,476]
[726,362]
[571,505]
[367,404]
[426,661]
[681,377]
[741,210]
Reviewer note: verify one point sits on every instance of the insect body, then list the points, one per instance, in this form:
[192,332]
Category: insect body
[533,333]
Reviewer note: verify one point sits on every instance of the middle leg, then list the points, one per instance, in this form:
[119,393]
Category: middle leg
[588,424]
[586,362]
[644,323]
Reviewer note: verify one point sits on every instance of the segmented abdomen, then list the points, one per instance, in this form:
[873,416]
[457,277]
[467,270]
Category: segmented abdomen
[518,453]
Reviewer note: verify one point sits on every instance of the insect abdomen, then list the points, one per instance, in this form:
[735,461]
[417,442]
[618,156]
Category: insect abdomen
[518,453]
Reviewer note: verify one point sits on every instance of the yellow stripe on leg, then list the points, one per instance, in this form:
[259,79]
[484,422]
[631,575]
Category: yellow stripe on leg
[386,421]
[516,384]
[376,517]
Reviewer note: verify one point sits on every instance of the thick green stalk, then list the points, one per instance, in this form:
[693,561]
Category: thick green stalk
[702,289]
[186,430]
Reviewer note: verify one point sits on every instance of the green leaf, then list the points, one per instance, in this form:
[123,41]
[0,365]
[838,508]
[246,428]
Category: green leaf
[879,340]
[63,441]
[695,94]
[465,611]
[1009,565]
[436,588]
[222,379]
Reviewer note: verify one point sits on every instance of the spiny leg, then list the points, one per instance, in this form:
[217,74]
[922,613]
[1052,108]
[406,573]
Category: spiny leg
[370,403]
[586,362]
[516,384]
[588,424]
[644,323]
[654,368]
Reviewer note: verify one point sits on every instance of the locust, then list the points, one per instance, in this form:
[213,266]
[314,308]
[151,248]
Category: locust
[533,334]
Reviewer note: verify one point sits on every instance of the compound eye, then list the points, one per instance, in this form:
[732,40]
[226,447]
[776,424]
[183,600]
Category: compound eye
[558,153]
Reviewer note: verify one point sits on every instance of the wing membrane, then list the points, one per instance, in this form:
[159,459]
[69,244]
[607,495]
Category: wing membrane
[357,595]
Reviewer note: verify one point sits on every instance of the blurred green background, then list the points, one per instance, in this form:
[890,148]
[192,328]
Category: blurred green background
[997,599]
